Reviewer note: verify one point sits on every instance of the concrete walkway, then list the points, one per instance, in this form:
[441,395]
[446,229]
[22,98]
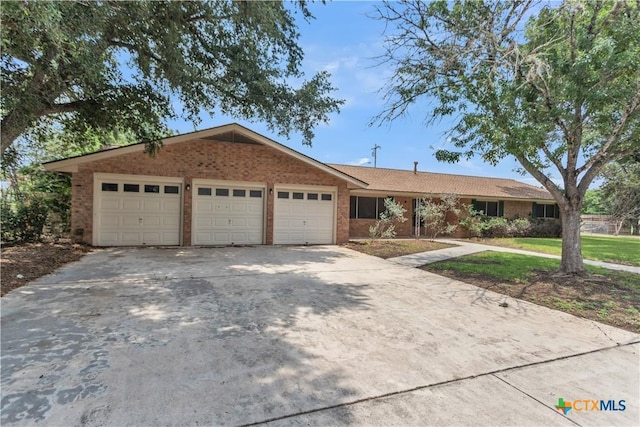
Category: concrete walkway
[467,248]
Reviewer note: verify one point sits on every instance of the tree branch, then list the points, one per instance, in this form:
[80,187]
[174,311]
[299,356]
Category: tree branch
[595,163]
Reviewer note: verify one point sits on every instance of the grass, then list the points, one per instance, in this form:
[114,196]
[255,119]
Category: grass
[393,248]
[610,297]
[619,250]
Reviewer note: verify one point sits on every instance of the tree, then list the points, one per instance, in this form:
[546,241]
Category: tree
[123,64]
[621,192]
[561,92]
[35,197]
[434,214]
[385,227]
[593,203]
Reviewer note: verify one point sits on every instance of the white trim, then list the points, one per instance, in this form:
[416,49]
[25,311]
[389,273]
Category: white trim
[203,181]
[137,178]
[236,184]
[306,187]
[99,177]
[71,164]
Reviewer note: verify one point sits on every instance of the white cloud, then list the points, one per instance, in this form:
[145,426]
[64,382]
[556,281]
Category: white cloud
[360,162]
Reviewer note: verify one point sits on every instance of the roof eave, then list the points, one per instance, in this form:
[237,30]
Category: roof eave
[70,165]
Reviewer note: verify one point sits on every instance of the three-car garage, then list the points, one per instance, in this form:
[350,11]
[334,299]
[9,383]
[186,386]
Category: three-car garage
[147,210]
[221,186]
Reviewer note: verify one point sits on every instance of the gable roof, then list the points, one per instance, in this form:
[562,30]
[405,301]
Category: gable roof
[406,181]
[232,132]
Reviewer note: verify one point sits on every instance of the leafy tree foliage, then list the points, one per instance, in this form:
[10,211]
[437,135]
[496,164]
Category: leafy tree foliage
[621,192]
[385,227]
[437,214]
[113,64]
[36,198]
[561,93]
[593,203]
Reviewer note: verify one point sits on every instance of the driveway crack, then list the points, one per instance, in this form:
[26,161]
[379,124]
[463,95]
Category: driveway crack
[534,398]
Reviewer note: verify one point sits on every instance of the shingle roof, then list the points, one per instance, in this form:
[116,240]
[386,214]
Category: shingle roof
[406,181]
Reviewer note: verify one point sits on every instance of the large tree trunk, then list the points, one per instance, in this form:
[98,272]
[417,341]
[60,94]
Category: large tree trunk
[571,262]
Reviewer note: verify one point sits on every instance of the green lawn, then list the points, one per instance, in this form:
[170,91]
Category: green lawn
[607,296]
[620,250]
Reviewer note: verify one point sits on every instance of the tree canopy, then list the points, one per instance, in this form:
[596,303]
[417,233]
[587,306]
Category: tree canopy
[115,64]
[555,86]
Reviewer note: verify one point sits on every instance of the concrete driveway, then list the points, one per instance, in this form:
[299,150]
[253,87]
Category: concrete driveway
[296,336]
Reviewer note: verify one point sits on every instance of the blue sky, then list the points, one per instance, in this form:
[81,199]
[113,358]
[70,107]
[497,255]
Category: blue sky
[343,40]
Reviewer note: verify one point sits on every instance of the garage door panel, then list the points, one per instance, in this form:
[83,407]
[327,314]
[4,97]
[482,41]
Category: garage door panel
[152,205]
[152,220]
[204,206]
[131,237]
[130,220]
[173,221]
[222,208]
[109,221]
[131,205]
[137,218]
[110,204]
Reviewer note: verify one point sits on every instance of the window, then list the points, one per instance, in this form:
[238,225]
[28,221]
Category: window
[204,191]
[239,193]
[546,211]
[364,207]
[326,197]
[489,208]
[151,188]
[106,186]
[255,193]
[171,189]
[298,196]
[312,196]
[222,191]
[132,188]
[283,194]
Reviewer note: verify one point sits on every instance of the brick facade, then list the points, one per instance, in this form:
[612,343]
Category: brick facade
[204,159]
[359,228]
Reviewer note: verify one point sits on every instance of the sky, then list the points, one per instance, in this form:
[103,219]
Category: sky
[344,40]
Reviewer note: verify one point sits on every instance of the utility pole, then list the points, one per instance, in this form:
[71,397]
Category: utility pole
[374,154]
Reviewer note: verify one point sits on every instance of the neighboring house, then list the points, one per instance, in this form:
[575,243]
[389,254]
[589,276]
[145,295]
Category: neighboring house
[229,185]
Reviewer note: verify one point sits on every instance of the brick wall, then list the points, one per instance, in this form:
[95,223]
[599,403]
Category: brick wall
[207,160]
[513,209]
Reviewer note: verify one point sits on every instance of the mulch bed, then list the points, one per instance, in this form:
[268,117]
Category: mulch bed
[23,263]
[601,298]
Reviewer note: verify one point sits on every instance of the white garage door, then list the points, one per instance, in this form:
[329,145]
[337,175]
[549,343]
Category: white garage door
[304,216]
[136,210]
[227,213]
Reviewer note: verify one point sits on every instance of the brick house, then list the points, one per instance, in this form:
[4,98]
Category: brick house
[229,185]
[495,197]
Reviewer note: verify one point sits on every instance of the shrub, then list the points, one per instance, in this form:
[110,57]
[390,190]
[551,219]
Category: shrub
[482,226]
[385,227]
[25,223]
[546,228]
[434,214]
[519,227]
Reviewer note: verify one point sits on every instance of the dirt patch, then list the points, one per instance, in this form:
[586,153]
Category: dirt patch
[24,263]
[393,248]
[608,299]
